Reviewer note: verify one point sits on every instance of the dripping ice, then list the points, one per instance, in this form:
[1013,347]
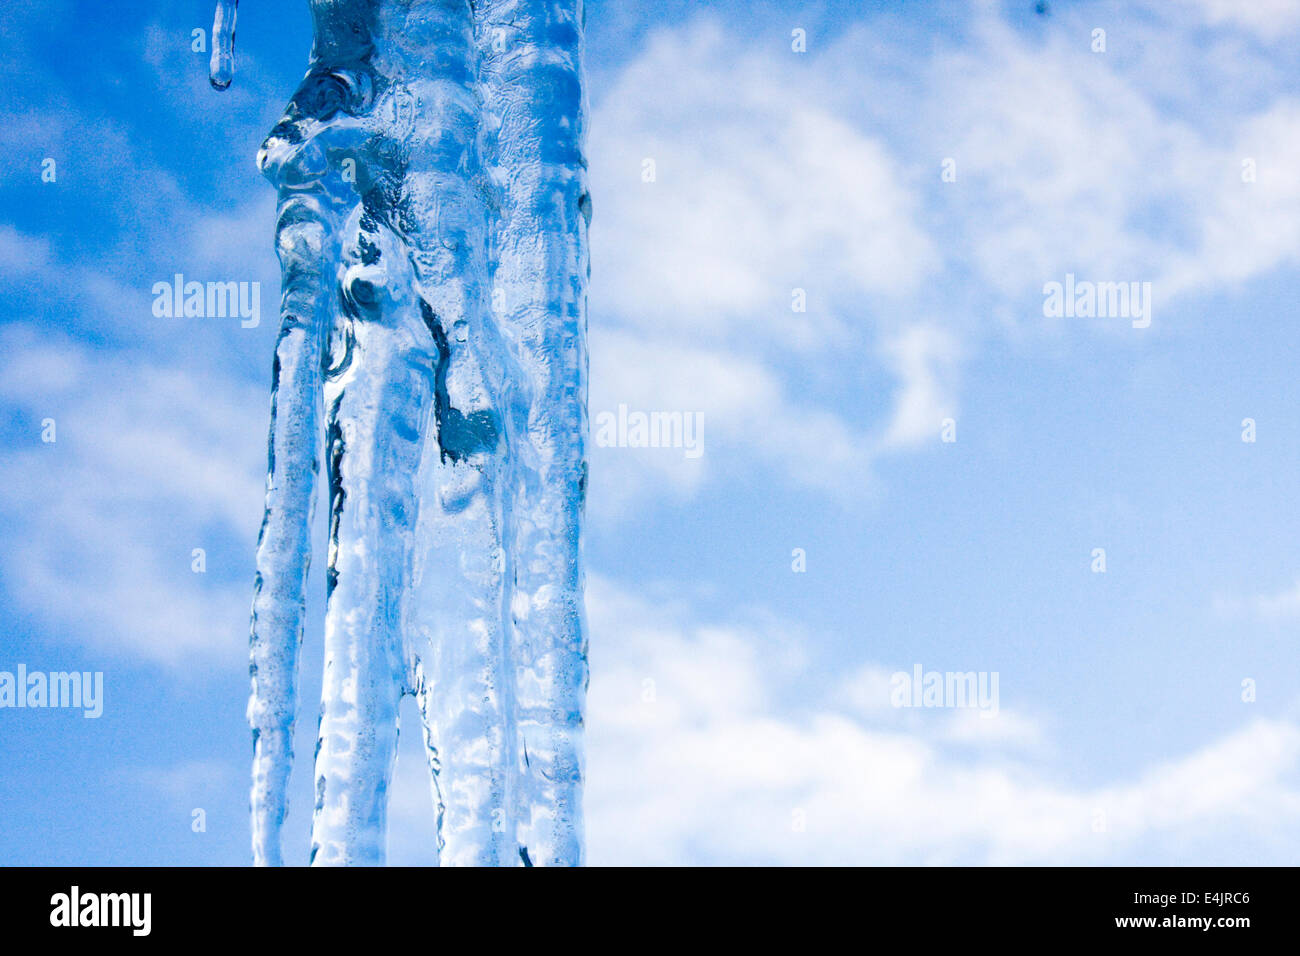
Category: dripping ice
[429,379]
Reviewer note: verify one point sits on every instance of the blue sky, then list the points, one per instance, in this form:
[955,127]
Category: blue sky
[739,711]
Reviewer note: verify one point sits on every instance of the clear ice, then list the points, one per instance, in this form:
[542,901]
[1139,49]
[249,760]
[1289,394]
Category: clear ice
[432,224]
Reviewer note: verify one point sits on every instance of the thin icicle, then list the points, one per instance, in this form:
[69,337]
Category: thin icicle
[221,72]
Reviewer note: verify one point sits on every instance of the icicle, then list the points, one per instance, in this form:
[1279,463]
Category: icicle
[222,68]
[455,430]
[532,53]
[303,234]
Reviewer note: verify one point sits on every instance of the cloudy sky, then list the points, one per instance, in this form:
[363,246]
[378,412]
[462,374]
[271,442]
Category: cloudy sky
[915,176]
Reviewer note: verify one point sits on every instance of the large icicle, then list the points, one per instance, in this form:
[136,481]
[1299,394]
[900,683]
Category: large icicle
[454,430]
[533,93]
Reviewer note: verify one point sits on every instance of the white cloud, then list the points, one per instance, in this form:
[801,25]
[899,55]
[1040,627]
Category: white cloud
[715,768]
[149,463]
[1283,605]
[1071,161]
[1268,19]
[743,405]
[758,191]
[771,176]
[925,359]
[1246,229]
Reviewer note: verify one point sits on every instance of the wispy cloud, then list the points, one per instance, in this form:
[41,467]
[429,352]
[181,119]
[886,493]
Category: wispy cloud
[148,463]
[768,230]
[924,359]
[757,191]
[693,756]
[1073,160]
[772,185]
[1270,20]
[1282,605]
